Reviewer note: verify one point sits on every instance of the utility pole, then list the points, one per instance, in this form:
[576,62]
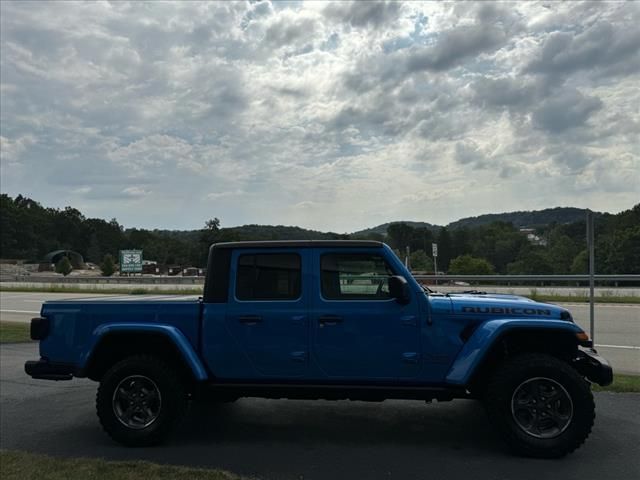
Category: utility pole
[406,258]
[434,252]
[590,247]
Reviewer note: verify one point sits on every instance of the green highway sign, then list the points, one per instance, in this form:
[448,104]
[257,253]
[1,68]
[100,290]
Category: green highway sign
[130,261]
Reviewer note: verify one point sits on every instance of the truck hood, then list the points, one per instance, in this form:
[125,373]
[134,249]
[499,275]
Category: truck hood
[495,305]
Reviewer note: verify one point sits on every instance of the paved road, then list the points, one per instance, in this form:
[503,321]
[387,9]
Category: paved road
[284,439]
[21,306]
[617,333]
[617,326]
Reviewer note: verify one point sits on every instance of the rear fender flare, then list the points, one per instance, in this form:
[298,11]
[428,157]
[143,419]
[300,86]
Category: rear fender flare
[174,335]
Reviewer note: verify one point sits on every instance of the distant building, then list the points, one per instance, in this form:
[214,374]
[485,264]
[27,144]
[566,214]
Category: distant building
[532,237]
[52,258]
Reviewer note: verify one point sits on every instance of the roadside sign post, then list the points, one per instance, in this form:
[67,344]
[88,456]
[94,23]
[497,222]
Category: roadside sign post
[434,252]
[130,261]
[590,247]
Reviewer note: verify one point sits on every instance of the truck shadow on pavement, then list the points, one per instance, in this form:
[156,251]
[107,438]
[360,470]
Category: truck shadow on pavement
[459,424]
[288,439]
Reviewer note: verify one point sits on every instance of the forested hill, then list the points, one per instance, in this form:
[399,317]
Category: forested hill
[258,232]
[382,229]
[534,218]
[280,232]
[478,245]
[29,230]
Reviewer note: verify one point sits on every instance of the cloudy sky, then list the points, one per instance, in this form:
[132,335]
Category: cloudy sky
[328,116]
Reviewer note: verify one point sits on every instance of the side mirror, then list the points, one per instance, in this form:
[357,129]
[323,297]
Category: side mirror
[399,289]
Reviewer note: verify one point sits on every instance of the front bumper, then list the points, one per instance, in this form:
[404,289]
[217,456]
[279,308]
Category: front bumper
[42,369]
[593,366]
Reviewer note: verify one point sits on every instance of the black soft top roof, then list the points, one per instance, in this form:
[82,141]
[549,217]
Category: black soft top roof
[299,244]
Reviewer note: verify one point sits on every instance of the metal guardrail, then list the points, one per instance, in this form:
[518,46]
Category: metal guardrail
[179,280]
[159,280]
[530,278]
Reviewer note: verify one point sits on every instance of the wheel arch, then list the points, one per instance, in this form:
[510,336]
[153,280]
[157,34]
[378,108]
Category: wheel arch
[114,342]
[496,340]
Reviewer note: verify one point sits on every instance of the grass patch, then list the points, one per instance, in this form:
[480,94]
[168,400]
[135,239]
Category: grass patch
[138,291]
[12,332]
[28,466]
[584,299]
[621,384]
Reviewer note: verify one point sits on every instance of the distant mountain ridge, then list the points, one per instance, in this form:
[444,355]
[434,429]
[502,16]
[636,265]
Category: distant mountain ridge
[533,218]
[382,229]
[279,232]
[520,219]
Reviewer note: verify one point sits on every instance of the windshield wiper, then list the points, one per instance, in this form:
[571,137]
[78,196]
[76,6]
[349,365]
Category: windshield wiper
[427,289]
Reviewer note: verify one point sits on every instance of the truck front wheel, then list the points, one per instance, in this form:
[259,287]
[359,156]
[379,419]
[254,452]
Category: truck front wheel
[541,405]
[140,400]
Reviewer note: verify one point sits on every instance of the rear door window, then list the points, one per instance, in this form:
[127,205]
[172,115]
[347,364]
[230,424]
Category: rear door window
[269,276]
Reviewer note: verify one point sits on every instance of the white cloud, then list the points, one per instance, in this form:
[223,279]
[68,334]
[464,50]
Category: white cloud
[11,150]
[330,116]
[135,192]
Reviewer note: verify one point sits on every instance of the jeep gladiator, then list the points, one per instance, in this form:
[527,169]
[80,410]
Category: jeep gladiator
[325,320]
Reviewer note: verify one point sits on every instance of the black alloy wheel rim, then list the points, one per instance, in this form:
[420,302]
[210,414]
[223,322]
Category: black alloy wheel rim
[542,407]
[137,402]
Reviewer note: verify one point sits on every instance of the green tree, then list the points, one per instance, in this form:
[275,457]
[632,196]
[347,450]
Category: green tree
[93,251]
[561,252]
[531,261]
[399,235]
[460,242]
[468,265]
[498,242]
[580,264]
[619,251]
[64,266]
[419,261]
[444,248]
[108,266]
[208,235]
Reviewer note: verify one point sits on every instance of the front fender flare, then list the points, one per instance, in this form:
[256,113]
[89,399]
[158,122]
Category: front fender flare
[483,339]
[172,333]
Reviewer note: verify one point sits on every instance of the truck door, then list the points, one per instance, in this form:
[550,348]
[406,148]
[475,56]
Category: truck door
[267,311]
[358,330]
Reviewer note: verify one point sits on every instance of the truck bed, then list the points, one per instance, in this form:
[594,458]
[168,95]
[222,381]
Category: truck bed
[75,323]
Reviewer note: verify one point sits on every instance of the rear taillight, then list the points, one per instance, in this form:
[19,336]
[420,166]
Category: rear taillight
[39,328]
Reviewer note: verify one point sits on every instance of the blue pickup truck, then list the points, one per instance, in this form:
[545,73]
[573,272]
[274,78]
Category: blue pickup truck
[325,320]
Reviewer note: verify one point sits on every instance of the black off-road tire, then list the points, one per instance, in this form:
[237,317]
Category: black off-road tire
[514,373]
[172,406]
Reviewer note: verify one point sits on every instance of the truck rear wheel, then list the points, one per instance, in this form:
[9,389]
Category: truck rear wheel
[541,406]
[140,400]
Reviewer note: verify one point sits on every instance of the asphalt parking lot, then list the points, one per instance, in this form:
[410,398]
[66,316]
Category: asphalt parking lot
[284,439]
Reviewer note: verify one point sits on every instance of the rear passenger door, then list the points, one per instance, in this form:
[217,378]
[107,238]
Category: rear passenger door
[358,331]
[268,308]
